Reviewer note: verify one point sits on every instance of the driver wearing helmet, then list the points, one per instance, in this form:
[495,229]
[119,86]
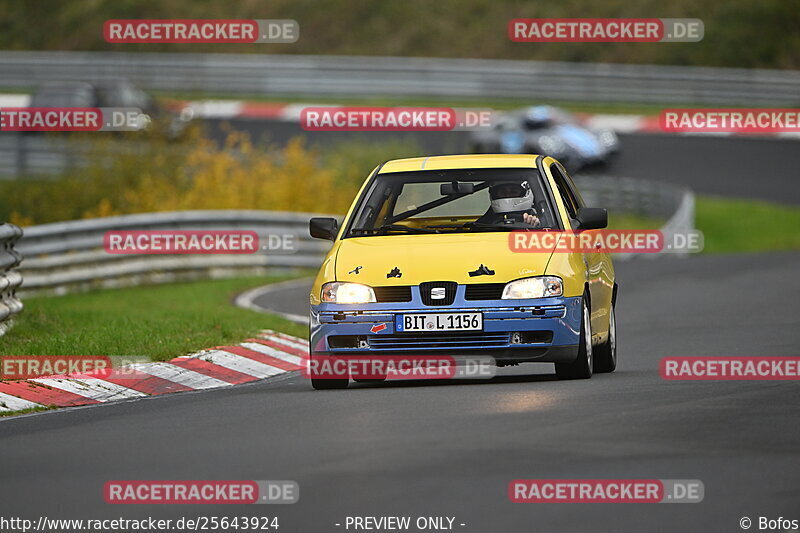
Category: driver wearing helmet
[511,202]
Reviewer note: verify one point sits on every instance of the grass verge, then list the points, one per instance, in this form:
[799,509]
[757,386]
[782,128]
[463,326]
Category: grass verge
[28,411]
[160,322]
[620,221]
[732,225]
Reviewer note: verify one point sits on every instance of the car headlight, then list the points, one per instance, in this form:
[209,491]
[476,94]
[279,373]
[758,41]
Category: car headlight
[550,144]
[342,292]
[538,287]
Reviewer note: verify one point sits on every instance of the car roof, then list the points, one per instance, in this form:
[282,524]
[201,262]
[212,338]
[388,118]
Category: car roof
[446,162]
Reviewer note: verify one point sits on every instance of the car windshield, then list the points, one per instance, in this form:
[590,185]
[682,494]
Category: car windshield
[453,201]
[545,117]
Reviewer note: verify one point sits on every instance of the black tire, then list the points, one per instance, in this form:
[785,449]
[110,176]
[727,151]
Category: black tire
[375,379]
[605,355]
[328,384]
[581,368]
[370,380]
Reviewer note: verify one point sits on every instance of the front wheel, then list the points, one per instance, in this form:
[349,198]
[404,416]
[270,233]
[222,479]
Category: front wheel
[325,383]
[605,355]
[374,377]
[581,368]
[379,379]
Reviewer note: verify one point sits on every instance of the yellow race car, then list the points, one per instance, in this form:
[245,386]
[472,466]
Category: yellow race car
[424,263]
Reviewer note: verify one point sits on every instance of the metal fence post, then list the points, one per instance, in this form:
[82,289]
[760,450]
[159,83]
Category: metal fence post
[10,278]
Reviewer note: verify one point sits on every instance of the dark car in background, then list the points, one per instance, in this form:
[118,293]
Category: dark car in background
[113,94]
[547,130]
[64,95]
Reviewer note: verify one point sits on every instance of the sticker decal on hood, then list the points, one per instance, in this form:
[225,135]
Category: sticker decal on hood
[356,270]
[395,273]
[482,270]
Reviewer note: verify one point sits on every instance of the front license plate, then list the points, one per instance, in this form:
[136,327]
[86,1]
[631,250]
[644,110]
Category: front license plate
[439,322]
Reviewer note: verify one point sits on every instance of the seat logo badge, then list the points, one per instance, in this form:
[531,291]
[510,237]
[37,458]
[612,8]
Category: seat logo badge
[437,293]
[355,270]
[482,270]
[395,273]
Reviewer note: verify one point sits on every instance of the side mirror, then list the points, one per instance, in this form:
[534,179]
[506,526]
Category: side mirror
[323,228]
[451,189]
[591,218]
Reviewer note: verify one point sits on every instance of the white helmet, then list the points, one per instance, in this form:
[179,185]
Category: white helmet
[509,197]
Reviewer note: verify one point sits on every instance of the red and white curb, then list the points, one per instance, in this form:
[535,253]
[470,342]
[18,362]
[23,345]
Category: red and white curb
[235,109]
[650,124]
[270,354]
[246,300]
[290,112]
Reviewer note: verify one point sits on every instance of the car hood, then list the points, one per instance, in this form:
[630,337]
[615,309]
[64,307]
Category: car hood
[419,258]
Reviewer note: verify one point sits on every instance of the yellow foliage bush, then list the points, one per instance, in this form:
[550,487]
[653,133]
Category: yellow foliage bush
[154,175]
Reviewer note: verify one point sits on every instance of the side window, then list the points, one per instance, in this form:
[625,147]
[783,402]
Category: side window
[570,202]
[572,188]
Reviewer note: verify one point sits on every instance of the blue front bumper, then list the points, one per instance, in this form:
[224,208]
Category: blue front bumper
[543,329]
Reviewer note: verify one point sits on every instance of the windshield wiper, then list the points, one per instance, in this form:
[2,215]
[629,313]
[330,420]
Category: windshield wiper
[446,226]
[386,228]
[502,226]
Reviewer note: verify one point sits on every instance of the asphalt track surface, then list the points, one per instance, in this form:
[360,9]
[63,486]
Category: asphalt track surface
[744,167]
[451,448]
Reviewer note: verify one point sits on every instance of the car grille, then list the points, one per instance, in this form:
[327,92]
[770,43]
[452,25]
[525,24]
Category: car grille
[478,340]
[398,293]
[484,291]
[449,292]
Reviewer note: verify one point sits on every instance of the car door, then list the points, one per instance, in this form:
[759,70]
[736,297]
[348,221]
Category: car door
[598,264]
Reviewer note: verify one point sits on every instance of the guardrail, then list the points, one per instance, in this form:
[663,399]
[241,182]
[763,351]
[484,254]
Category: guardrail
[10,278]
[29,155]
[26,155]
[299,75]
[653,199]
[68,256]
